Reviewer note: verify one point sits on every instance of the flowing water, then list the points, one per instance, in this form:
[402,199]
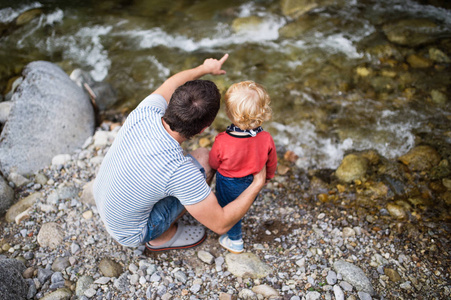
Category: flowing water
[336,81]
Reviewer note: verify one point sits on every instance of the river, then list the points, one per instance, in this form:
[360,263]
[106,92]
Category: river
[342,75]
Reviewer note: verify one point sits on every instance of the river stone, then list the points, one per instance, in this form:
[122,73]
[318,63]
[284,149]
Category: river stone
[6,196]
[411,32]
[354,275]
[421,158]
[12,284]
[438,97]
[247,294]
[392,274]
[110,268]
[419,62]
[87,196]
[27,16]
[206,257]
[51,235]
[246,265]
[296,8]
[351,168]
[83,283]
[396,211]
[265,290]
[5,108]
[21,206]
[59,294]
[246,23]
[60,264]
[50,115]
[439,56]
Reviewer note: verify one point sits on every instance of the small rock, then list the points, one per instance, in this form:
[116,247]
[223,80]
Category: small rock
[354,275]
[352,167]
[339,295]
[392,274]
[206,257]
[265,290]
[51,235]
[110,268]
[246,265]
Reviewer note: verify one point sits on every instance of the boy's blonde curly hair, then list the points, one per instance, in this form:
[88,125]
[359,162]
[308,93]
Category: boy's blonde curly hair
[247,104]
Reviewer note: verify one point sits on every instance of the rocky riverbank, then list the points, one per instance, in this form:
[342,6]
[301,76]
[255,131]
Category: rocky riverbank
[382,234]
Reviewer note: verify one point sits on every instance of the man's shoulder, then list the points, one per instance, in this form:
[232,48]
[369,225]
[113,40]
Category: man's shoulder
[154,100]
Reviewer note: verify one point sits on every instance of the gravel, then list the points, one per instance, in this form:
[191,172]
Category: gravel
[300,239]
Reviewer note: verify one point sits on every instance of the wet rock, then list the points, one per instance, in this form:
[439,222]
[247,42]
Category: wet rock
[21,206]
[418,62]
[299,27]
[392,274]
[51,235]
[6,196]
[351,168]
[12,285]
[110,268]
[421,158]
[46,93]
[296,8]
[411,32]
[438,56]
[27,16]
[246,23]
[246,265]
[396,211]
[438,97]
[354,275]
[102,93]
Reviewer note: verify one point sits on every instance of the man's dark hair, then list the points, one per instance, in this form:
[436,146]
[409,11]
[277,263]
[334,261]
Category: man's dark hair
[193,106]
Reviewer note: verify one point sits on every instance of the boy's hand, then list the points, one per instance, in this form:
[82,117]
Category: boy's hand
[213,66]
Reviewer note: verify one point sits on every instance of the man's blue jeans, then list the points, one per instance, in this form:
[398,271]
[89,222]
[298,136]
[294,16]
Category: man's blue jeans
[227,190]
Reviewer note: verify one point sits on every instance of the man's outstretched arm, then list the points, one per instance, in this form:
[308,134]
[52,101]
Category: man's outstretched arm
[210,66]
[221,219]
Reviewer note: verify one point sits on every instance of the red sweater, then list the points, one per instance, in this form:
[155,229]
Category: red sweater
[238,156]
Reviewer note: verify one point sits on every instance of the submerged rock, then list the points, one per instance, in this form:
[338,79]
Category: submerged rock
[351,168]
[247,23]
[296,8]
[421,158]
[411,32]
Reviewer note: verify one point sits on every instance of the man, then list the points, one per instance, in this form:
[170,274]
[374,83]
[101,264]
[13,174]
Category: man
[145,182]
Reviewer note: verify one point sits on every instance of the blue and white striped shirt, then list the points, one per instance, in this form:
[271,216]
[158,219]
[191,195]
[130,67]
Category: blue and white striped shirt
[144,165]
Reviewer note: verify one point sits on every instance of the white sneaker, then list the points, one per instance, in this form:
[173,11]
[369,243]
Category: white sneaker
[231,245]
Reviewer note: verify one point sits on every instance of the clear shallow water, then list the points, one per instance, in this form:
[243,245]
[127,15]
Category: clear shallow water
[322,107]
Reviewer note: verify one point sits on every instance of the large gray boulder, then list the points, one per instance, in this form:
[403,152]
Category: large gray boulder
[50,115]
[6,196]
[12,284]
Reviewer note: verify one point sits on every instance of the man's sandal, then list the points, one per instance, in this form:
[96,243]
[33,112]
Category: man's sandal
[186,236]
